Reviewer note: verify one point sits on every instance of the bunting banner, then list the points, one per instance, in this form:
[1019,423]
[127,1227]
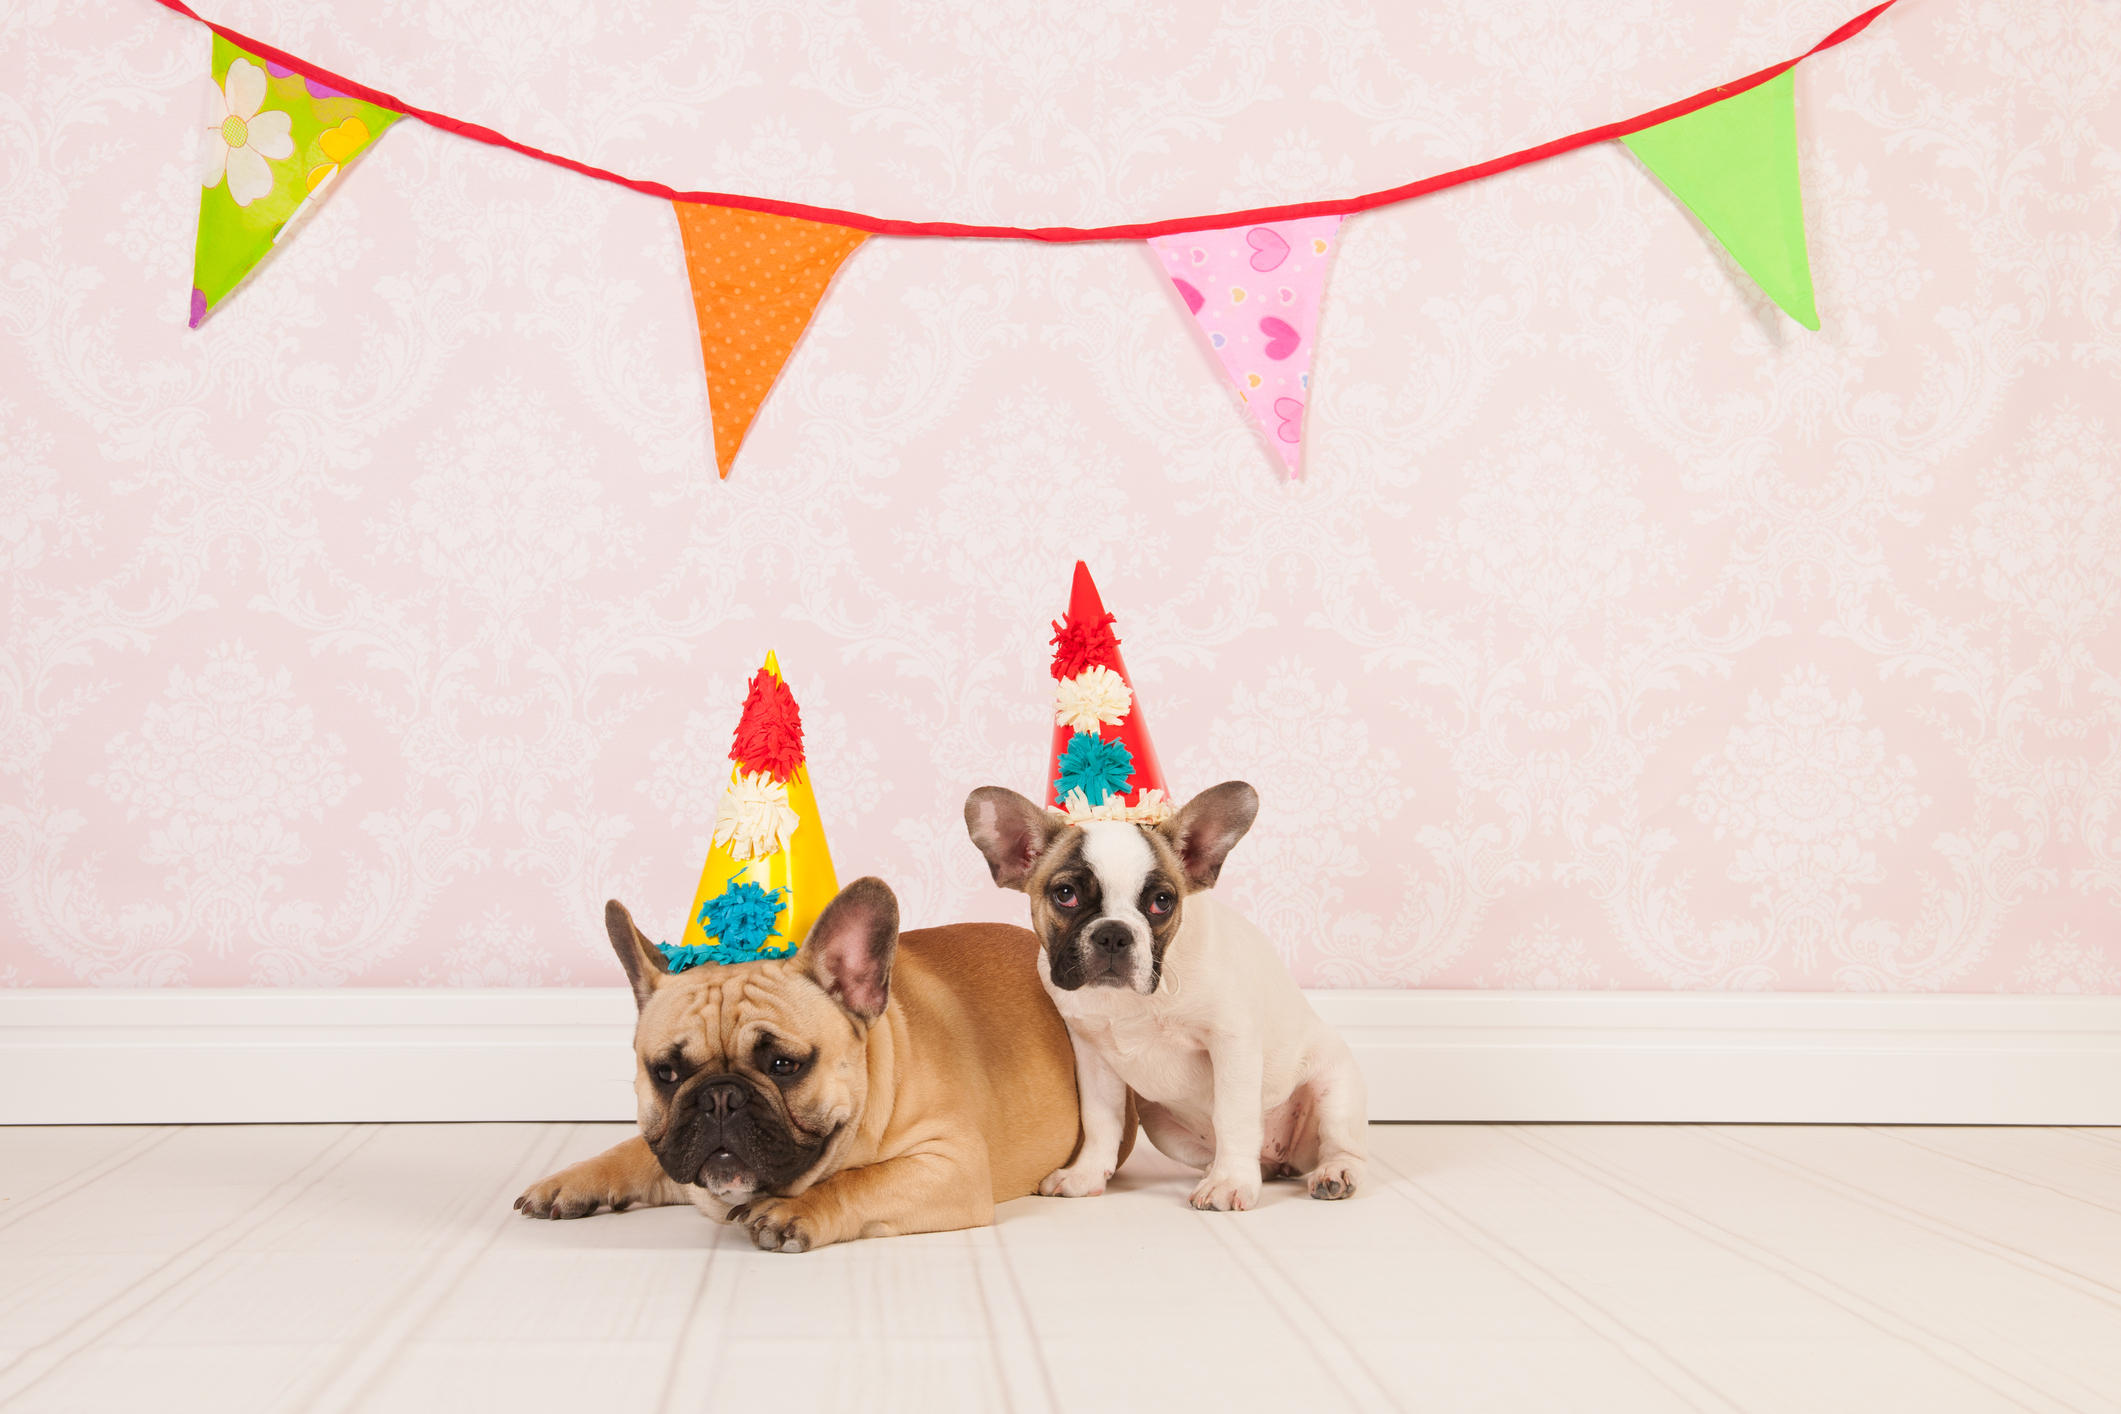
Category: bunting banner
[756,280]
[274,142]
[1734,164]
[1255,291]
[280,133]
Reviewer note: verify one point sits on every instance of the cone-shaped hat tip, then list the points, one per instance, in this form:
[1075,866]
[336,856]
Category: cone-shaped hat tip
[772,663]
[1083,600]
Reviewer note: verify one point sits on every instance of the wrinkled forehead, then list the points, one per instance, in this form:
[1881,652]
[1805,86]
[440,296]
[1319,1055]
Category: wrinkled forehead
[708,1012]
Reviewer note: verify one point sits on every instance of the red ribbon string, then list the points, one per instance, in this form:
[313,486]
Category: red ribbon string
[885,226]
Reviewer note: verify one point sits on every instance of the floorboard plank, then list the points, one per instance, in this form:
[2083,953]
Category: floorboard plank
[269,1269]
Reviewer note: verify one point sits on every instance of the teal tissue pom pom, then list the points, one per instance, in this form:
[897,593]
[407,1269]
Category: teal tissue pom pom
[743,915]
[741,919]
[1094,766]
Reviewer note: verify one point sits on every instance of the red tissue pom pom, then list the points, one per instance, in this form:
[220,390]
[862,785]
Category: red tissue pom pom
[1089,644]
[769,736]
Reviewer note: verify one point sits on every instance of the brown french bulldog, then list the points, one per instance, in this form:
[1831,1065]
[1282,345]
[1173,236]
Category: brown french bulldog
[871,1084]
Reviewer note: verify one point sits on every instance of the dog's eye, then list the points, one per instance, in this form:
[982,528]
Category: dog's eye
[1064,895]
[783,1067]
[1161,901]
[668,1074]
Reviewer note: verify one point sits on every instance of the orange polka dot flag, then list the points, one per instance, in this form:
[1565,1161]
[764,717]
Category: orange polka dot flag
[756,280]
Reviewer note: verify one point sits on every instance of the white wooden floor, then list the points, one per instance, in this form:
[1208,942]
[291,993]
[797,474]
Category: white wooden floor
[1639,1268]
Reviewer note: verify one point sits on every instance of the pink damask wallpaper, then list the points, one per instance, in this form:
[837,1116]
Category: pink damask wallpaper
[1619,633]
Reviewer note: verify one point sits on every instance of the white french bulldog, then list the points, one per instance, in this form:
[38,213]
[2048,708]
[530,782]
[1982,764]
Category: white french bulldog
[1171,993]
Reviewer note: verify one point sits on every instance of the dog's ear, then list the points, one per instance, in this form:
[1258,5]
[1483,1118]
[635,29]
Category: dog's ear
[849,949]
[1011,831]
[645,965]
[1209,827]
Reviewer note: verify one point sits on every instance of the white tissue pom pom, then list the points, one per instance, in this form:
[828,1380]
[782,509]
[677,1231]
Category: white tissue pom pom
[755,820]
[1152,809]
[1093,698]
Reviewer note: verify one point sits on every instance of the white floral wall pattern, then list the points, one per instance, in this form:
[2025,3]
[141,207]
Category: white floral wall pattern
[1804,789]
[1619,633]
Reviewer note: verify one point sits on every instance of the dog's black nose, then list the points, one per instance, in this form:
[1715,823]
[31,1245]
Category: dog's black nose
[723,1096]
[1111,937]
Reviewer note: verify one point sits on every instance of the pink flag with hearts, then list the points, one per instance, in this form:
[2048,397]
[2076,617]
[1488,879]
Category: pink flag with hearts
[1255,292]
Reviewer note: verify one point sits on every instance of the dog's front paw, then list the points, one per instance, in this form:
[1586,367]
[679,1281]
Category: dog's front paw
[1082,1181]
[777,1225]
[1335,1178]
[573,1192]
[1226,1193]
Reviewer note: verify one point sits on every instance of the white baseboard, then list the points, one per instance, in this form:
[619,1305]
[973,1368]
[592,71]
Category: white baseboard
[92,1056]
[1738,1058]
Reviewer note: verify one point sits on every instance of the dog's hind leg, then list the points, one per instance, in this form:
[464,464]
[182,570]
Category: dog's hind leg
[1343,1100]
[624,1176]
[1172,1139]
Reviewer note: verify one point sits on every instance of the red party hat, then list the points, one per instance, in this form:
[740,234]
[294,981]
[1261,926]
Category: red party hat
[1103,766]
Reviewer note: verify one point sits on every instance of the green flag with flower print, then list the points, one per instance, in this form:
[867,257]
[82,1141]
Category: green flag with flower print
[275,141]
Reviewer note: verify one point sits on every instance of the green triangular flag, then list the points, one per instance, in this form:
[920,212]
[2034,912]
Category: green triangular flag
[275,141]
[1734,164]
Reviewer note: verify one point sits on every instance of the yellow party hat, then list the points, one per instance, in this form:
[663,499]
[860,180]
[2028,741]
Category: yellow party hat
[768,873]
